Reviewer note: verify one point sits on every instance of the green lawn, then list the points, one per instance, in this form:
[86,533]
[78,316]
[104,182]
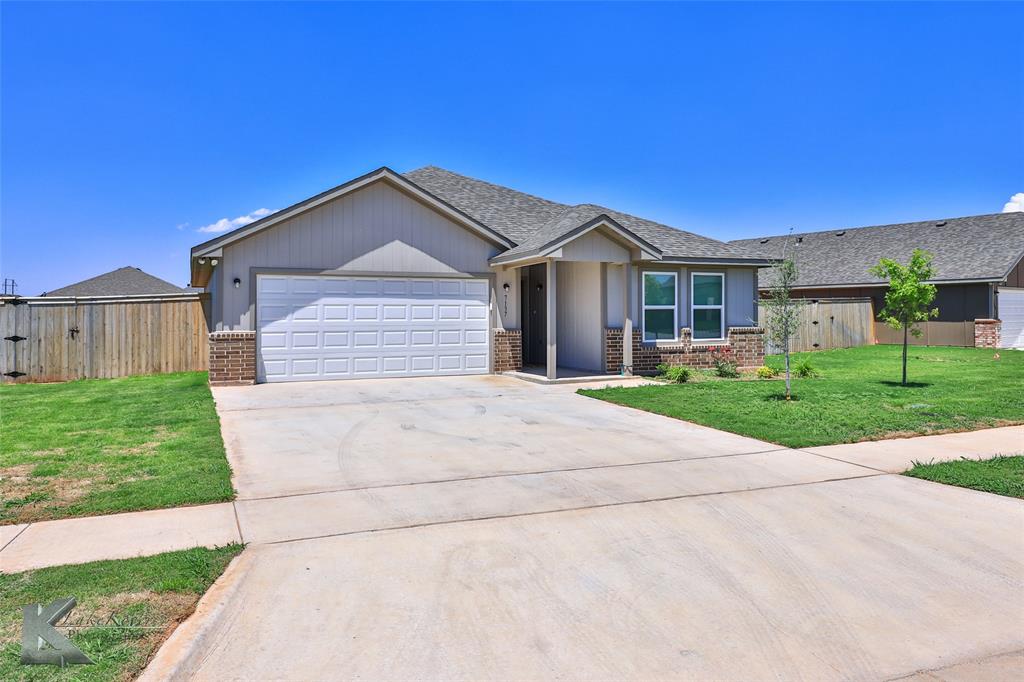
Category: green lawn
[999,475]
[102,446]
[858,397]
[148,597]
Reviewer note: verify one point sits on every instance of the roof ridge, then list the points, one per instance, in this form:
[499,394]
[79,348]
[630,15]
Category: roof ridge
[931,221]
[503,188]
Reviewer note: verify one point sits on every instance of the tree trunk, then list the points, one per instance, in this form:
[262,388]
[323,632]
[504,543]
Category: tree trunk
[787,370]
[905,353]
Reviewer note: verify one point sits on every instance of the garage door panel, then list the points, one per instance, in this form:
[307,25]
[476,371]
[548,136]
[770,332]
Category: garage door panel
[334,312]
[346,327]
[364,312]
[335,340]
[478,362]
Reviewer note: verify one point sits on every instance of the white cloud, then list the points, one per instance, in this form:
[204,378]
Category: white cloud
[1015,204]
[182,226]
[225,224]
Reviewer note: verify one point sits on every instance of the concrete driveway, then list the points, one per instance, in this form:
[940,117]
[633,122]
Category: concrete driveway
[487,528]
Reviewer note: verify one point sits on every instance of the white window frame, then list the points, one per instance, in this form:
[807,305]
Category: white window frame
[694,306]
[674,307]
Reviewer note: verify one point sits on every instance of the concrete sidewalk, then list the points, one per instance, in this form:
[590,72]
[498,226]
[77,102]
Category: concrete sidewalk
[899,454]
[117,536]
[339,512]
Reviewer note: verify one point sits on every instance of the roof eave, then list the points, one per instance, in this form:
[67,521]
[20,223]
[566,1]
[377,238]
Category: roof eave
[712,260]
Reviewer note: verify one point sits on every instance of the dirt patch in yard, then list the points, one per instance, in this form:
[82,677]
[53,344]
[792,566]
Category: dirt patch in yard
[25,498]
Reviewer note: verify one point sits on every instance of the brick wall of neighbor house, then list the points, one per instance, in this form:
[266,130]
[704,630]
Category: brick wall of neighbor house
[508,350]
[986,333]
[745,345]
[232,358]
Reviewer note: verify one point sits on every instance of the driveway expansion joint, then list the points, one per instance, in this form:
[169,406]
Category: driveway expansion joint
[539,472]
[545,512]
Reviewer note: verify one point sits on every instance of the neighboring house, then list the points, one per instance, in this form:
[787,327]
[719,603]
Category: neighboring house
[978,272]
[126,281]
[434,273]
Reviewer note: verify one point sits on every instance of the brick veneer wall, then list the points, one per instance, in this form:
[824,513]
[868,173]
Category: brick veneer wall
[232,358]
[508,350]
[987,333]
[745,345]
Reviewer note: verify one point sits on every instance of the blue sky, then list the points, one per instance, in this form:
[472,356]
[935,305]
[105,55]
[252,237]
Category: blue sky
[127,127]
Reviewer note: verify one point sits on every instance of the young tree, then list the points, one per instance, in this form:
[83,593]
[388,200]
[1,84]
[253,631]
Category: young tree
[782,312]
[908,300]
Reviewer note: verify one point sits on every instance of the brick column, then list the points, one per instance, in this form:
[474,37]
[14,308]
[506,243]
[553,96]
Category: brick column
[232,358]
[508,350]
[613,350]
[747,345]
[987,333]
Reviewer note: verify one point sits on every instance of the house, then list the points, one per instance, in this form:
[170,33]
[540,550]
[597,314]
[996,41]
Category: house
[978,272]
[435,273]
[126,281]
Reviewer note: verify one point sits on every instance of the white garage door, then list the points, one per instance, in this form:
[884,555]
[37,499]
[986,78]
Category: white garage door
[313,328]
[1011,312]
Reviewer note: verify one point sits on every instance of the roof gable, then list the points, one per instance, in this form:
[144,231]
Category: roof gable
[974,248]
[573,223]
[382,174]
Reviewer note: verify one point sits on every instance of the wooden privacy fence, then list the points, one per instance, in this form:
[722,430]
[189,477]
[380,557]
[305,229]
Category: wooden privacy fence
[831,323]
[63,338]
[933,333]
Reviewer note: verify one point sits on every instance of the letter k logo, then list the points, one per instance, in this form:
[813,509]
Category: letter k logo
[40,643]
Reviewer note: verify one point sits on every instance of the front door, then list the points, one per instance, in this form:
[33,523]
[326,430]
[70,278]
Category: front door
[534,314]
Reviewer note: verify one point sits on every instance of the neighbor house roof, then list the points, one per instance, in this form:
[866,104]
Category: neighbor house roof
[530,221]
[126,281]
[982,248]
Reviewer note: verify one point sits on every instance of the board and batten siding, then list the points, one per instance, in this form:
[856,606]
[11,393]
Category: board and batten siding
[578,334]
[594,246]
[740,293]
[377,229]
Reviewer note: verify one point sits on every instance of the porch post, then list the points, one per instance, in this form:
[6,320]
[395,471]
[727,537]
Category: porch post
[552,331]
[627,320]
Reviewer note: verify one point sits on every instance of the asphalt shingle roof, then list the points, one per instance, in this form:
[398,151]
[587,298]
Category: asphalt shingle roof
[124,281]
[532,221]
[983,247]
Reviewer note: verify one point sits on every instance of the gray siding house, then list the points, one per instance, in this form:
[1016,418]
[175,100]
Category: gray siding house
[435,273]
[978,272]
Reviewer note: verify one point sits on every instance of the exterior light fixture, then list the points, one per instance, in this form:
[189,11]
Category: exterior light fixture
[506,286]
[237,282]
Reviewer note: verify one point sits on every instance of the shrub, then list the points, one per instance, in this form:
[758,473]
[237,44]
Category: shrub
[805,370]
[727,369]
[767,372]
[676,374]
[725,366]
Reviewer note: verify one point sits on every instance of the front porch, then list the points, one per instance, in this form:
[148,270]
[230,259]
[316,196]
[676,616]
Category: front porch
[601,302]
[538,374]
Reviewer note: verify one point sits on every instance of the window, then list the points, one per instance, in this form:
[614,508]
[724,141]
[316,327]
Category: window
[708,311]
[660,306]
